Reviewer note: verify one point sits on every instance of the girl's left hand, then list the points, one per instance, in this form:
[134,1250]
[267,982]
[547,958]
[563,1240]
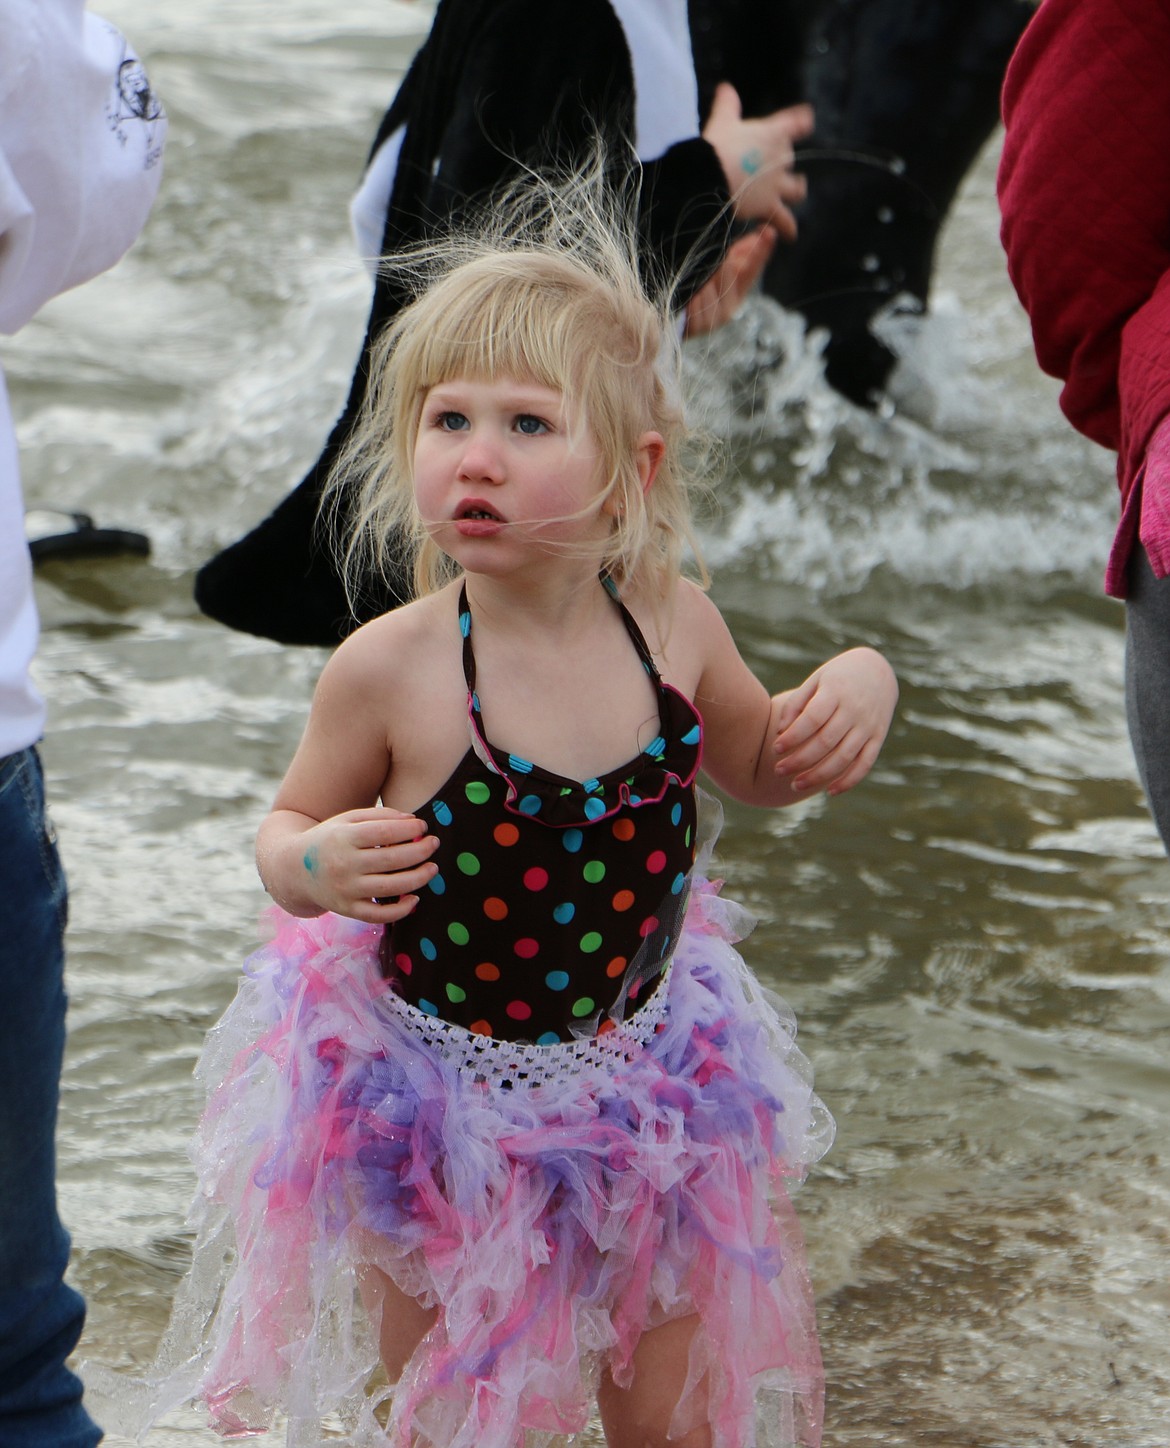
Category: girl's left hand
[830,729]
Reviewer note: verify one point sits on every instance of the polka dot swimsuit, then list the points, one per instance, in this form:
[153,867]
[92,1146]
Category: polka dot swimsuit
[557,901]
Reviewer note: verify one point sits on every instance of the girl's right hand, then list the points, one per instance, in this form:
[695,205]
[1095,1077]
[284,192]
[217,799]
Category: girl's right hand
[757,157]
[366,864]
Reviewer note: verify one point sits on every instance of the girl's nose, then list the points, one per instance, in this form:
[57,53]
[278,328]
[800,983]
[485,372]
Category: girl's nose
[481,460]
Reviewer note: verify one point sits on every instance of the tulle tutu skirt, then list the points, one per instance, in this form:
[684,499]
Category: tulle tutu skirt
[553,1203]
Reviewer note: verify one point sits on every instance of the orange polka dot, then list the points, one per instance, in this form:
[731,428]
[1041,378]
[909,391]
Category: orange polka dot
[606,1027]
[495,908]
[616,966]
[506,834]
[623,829]
[480,1028]
[623,899]
[485,970]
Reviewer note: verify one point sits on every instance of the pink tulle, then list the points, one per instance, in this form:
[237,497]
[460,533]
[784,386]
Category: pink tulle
[552,1224]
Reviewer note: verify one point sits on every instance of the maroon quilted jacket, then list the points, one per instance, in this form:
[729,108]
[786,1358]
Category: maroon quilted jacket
[1084,187]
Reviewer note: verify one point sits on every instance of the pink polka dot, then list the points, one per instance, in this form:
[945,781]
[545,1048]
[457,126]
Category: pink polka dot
[648,926]
[526,948]
[403,962]
[518,1010]
[536,878]
[657,862]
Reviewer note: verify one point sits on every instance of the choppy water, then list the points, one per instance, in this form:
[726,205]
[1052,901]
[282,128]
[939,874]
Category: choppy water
[977,942]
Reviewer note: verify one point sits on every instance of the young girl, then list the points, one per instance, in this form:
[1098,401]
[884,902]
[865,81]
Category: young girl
[501,1067]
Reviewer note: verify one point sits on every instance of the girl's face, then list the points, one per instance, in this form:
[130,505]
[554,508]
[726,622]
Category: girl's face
[501,477]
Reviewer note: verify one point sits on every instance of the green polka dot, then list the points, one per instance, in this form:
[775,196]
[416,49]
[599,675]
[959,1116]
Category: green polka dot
[591,942]
[458,933]
[594,871]
[477,792]
[687,837]
[584,1006]
[468,863]
[455,993]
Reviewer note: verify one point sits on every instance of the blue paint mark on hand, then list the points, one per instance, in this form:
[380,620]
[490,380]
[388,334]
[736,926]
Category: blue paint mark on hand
[312,860]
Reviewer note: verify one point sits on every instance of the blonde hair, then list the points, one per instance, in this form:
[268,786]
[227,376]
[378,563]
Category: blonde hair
[546,288]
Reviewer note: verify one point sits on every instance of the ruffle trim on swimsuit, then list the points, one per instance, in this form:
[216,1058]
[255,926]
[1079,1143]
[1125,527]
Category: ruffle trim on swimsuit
[672,757]
[552,1223]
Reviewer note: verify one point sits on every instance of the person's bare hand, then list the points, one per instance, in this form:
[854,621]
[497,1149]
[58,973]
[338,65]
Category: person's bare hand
[720,298]
[367,864]
[757,158]
[831,728]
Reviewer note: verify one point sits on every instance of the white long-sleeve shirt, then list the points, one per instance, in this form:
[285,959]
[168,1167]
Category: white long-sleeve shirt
[81,137]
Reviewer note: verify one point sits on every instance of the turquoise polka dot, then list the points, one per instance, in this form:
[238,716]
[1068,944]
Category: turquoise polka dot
[477,792]
[458,933]
[583,1006]
[557,979]
[676,815]
[679,881]
[428,1007]
[475,702]
[562,914]
[594,871]
[521,766]
[465,623]
[594,808]
[468,863]
[441,812]
[635,799]
[438,885]
[530,804]
[428,948]
[656,748]
[591,786]
[572,840]
[549,1038]
[693,735]
[591,942]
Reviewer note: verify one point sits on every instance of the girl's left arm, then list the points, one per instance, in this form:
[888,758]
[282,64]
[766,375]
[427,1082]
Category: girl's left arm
[772,750]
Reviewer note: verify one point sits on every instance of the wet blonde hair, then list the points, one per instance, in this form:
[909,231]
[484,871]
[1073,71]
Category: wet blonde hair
[546,289]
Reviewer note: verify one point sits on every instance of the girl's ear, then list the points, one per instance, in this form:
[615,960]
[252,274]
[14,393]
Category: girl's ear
[650,452]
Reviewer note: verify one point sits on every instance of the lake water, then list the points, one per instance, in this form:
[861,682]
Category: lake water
[977,942]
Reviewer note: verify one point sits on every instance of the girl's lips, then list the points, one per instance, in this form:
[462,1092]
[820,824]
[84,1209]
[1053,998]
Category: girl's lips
[475,519]
[478,527]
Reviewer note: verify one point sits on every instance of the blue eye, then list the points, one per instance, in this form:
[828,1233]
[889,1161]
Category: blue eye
[452,421]
[530,425]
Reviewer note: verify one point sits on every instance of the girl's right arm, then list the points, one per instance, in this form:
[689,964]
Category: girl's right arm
[327,845]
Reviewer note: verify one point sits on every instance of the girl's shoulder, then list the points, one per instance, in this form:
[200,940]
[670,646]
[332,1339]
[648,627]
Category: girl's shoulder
[409,638]
[681,628]
[671,620]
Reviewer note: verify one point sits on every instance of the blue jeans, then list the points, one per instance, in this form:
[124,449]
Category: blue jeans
[40,1317]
